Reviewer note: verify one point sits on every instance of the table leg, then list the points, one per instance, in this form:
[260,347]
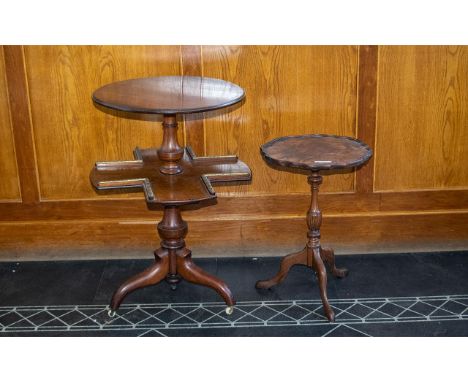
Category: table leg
[194,274]
[150,276]
[298,258]
[328,257]
[321,272]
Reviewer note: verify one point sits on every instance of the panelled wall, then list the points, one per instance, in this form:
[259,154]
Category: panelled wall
[408,103]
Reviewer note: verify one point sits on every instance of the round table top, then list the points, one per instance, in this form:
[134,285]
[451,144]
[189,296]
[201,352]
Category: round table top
[316,152]
[169,95]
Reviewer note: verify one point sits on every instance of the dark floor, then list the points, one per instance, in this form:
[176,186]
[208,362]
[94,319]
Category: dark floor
[384,295]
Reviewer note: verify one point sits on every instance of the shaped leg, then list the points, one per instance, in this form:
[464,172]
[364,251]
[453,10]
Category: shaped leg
[328,257]
[298,258]
[150,276]
[319,267]
[194,274]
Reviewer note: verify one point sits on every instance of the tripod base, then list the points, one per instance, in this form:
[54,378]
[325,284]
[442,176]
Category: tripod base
[314,258]
[173,262]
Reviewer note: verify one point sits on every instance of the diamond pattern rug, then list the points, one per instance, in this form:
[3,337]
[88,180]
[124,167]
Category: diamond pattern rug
[144,318]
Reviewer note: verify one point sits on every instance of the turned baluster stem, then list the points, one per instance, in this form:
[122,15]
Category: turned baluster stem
[314,215]
[172,229]
[170,151]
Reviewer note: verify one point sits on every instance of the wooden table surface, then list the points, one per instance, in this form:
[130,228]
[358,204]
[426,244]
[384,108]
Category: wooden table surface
[169,95]
[316,152]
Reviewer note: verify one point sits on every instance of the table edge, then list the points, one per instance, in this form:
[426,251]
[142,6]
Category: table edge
[286,163]
[128,109]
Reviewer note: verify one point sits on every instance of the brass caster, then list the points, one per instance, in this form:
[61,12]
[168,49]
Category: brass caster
[229,310]
[111,313]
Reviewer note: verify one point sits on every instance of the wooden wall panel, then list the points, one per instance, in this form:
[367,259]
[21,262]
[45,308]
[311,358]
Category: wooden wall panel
[194,125]
[9,186]
[422,128]
[289,90]
[367,104]
[70,132]
[97,239]
[408,103]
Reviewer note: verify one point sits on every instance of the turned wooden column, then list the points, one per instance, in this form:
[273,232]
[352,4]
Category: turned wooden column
[172,230]
[170,151]
[314,216]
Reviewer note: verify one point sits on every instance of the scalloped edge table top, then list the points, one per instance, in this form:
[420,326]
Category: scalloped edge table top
[169,95]
[316,152]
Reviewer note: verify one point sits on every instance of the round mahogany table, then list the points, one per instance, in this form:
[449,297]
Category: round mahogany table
[314,153]
[169,95]
[171,175]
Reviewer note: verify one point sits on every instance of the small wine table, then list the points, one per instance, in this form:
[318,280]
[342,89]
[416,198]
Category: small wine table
[170,176]
[314,153]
